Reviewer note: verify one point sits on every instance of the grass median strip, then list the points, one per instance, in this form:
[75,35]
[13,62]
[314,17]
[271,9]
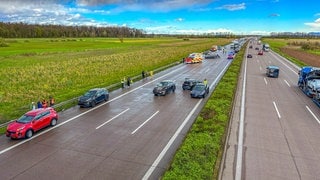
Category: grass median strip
[200,154]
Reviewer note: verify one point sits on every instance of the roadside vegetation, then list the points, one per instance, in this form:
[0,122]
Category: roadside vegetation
[32,69]
[299,51]
[200,154]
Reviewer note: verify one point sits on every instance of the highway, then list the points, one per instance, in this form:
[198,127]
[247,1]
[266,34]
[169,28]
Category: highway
[275,129]
[132,136]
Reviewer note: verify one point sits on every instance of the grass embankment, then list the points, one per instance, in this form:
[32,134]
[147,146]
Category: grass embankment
[32,69]
[201,152]
[311,46]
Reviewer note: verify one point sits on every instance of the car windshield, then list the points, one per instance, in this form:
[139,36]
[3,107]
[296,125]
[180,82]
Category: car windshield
[162,84]
[273,70]
[198,88]
[25,119]
[90,93]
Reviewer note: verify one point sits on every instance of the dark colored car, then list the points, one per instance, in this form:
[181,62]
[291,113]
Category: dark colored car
[164,87]
[31,122]
[188,84]
[256,48]
[272,71]
[93,97]
[249,56]
[200,90]
[260,52]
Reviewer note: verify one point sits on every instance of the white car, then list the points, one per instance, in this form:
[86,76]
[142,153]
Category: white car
[313,86]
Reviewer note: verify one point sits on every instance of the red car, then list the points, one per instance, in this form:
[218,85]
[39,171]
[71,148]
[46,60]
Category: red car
[230,56]
[260,52]
[31,122]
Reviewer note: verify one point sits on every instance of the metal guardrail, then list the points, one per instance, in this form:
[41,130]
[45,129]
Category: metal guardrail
[74,100]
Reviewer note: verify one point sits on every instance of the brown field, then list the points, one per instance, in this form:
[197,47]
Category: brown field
[308,58]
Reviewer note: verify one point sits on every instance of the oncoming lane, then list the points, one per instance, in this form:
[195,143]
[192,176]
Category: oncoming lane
[280,135]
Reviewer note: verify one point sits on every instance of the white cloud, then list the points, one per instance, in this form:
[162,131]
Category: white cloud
[315,26]
[274,15]
[233,7]
[179,19]
[147,5]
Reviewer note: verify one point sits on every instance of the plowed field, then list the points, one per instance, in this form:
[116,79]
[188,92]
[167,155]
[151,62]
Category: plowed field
[310,59]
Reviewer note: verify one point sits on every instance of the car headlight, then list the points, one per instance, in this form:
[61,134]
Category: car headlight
[20,129]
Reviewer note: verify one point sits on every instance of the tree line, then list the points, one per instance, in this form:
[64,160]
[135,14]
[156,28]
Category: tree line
[23,30]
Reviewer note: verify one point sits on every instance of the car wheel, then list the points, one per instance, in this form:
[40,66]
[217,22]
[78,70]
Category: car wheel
[29,134]
[106,99]
[173,89]
[53,122]
[93,104]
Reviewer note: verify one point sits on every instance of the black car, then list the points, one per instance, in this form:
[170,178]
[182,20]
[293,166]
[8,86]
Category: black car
[164,87]
[93,97]
[249,56]
[200,90]
[272,71]
[188,83]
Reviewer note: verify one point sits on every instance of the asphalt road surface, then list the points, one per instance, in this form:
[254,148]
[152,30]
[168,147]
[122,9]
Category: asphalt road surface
[275,129]
[132,136]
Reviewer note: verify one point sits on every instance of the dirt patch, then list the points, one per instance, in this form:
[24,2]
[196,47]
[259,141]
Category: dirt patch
[310,59]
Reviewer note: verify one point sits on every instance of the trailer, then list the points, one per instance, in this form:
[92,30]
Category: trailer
[309,80]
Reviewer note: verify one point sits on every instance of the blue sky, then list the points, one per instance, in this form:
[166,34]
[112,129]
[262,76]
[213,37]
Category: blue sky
[171,16]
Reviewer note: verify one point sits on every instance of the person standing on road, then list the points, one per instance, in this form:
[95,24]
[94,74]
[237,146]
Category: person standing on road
[33,106]
[122,83]
[39,104]
[128,81]
[151,74]
[51,101]
[205,82]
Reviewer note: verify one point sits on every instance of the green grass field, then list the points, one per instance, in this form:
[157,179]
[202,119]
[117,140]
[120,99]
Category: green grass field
[32,69]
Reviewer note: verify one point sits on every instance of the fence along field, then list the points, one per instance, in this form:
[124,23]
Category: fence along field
[32,69]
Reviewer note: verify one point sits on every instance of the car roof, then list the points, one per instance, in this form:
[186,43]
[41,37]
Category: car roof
[97,89]
[273,67]
[200,84]
[37,111]
[167,81]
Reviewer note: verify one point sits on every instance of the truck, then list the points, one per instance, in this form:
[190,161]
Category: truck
[214,48]
[266,47]
[309,80]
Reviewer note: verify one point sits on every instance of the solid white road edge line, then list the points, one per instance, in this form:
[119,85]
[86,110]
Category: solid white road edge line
[284,64]
[275,107]
[315,117]
[173,138]
[145,122]
[241,125]
[112,118]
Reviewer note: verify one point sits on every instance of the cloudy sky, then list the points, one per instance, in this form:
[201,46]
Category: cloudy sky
[171,16]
